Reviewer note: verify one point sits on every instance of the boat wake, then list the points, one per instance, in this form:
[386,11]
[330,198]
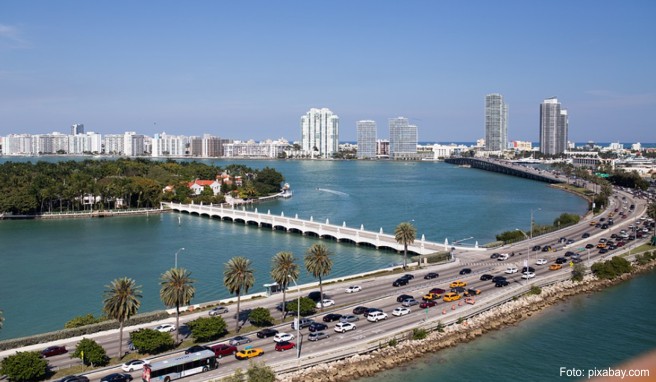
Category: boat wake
[333,191]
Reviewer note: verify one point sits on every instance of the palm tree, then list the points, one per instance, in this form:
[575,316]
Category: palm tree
[319,264]
[405,233]
[176,291]
[283,268]
[238,277]
[651,210]
[121,302]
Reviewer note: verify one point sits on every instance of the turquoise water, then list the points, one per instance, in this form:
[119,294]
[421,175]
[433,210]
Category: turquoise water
[598,330]
[51,271]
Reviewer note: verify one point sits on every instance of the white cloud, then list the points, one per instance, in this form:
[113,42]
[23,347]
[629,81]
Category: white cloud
[11,37]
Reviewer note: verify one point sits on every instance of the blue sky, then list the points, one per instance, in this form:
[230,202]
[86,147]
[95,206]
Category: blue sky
[250,69]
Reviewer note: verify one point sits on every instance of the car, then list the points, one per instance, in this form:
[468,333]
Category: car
[165,328]
[267,332]
[218,310]
[376,316]
[486,277]
[303,323]
[370,310]
[249,353]
[344,327]
[410,302]
[569,241]
[116,377]
[503,256]
[284,345]
[316,296]
[602,251]
[402,297]
[407,276]
[317,327]
[401,311]
[528,269]
[451,296]
[589,245]
[431,296]
[569,254]
[74,378]
[330,317]
[135,364]
[239,340]
[555,267]
[196,349]
[360,309]
[431,275]
[511,270]
[53,351]
[326,303]
[528,275]
[501,283]
[472,292]
[561,260]
[494,255]
[400,282]
[496,279]
[547,248]
[536,248]
[434,290]
[353,289]
[458,289]
[223,349]
[428,304]
[318,336]
[540,261]
[457,283]
[283,337]
[585,235]
[349,318]
[465,271]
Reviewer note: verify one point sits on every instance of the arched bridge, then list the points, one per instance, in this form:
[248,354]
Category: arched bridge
[340,233]
[508,168]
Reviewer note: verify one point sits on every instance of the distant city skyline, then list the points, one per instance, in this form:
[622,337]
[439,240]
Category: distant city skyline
[249,69]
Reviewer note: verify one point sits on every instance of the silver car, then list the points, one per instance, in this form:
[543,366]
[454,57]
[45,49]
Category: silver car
[239,340]
[218,310]
[349,318]
[316,336]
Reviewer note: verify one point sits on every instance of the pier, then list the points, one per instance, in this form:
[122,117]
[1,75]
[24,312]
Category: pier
[340,233]
[508,168]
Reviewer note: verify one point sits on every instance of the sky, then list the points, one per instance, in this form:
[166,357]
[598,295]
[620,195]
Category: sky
[251,69]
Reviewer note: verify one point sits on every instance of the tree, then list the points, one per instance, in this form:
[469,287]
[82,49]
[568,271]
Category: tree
[238,277]
[578,271]
[24,366]
[237,376]
[283,269]
[308,306]
[91,353]
[176,291]
[121,302]
[259,372]
[260,317]
[405,233]
[319,264]
[204,329]
[150,341]
[651,210]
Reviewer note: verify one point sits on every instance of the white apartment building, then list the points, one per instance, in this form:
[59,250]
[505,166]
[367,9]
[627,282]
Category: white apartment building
[252,149]
[164,145]
[366,130]
[320,133]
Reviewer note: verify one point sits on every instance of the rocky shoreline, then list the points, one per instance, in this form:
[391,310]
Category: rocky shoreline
[388,357]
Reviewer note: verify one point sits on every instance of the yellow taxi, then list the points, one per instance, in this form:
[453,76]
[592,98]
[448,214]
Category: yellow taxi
[451,296]
[432,296]
[249,353]
[555,267]
[457,283]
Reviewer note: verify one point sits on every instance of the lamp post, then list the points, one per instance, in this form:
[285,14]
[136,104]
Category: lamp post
[176,256]
[528,243]
[298,318]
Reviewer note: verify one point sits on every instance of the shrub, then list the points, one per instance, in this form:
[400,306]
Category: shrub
[24,366]
[535,290]
[237,376]
[150,341]
[259,372]
[87,319]
[440,327]
[90,353]
[204,329]
[260,317]
[578,271]
[393,342]
[419,334]
[612,268]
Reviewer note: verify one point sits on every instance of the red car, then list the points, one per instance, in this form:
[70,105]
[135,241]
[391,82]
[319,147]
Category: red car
[223,349]
[53,350]
[284,345]
[427,304]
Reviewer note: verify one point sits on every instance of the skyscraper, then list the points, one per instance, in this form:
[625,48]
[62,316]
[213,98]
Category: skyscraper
[77,128]
[403,139]
[320,132]
[554,126]
[496,123]
[366,139]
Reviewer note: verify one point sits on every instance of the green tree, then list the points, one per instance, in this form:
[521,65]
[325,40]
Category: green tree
[87,319]
[308,306]
[205,329]
[237,376]
[150,341]
[176,291]
[121,302]
[259,372]
[578,271]
[24,366]
[260,317]
[405,233]
[651,210]
[283,269]
[91,353]
[238,277]
[319,264]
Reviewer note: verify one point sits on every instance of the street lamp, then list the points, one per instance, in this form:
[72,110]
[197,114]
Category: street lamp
[176,256]
[297,320]
[528,243]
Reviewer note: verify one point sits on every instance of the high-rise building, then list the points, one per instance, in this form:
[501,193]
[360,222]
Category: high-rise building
[320,132]
[77,128]
[554,126]
[496,123]
[366,139]
[403,139]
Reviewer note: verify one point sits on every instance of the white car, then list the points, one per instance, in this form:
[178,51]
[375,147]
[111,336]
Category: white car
[511,270]
[528,275]
[541,262]
[400,311]
[376,316]
[353,289]
[503,256]
[135,364]
[326,303]
[344,327]
[283,337]
[165,328]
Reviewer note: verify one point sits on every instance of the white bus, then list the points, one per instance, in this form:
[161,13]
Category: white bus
[183,366]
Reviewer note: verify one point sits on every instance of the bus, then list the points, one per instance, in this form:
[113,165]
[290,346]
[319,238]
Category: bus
[179,367]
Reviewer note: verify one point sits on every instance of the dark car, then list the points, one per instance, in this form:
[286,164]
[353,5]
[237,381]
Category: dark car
[434,290]
[330,317]
[561,260]
[427,304]
[360,309]
[116,377]
[431,275]
[501,283]
[494,255]
[602,251]
[284,345]
[496,279]
[53,350]
[546,248]
[569,253]
[317,327]
[267,332]
[585,235]
[536,248]
[486,277]
[371,310]
[400,282]
[465,271]
[316,296]
[407,276]
[528,269]
[402,297]
[589,246]
[458,289]
[74,378]
[223,349]
[196,349]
